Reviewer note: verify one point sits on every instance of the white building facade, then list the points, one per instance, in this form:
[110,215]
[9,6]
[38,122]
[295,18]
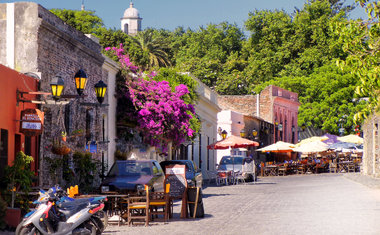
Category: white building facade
[207,110]
[232,122]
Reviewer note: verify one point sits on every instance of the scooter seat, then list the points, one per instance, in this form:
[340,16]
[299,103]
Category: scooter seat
[70,208]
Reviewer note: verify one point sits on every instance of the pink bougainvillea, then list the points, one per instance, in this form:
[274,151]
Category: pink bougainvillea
[161,114]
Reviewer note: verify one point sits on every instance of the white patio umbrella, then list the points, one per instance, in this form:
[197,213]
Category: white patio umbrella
[351,139]
[278,147]
[312,139]
[312,147]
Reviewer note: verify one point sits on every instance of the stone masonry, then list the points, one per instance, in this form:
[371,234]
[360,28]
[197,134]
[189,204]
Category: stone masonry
[371,155]
[45,44]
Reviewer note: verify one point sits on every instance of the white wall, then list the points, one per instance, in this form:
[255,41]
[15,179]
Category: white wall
[112,68]
[207,109]
[233,123]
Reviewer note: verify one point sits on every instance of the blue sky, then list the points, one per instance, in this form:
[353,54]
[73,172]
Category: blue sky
[169,14]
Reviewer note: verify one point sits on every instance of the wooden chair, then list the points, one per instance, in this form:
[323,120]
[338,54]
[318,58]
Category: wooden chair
[123,210]
[301,169]
[282,170]
[351,167]
[138,209]
[333,167]
[159,205]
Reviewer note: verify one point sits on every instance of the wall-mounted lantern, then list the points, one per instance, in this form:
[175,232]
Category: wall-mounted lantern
[57,84]
[242,133]
[80,81]
[224,134]
[100,90]
[254,133]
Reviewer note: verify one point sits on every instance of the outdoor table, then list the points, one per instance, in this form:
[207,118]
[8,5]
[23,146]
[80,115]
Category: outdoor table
[309,168]
[272,170]
[343,166]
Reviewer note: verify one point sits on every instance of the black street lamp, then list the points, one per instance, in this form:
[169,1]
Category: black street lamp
[242,133]
[254,133]
[80,81]
[224,134]
[57,84]
[100,90]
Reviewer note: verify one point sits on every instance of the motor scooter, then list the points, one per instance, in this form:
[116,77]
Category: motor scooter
[59,214]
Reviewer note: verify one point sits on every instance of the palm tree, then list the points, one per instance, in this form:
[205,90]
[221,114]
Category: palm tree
[155,47]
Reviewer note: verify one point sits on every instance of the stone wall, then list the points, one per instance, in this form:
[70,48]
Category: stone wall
[245,104]
[371,155]
[45,44]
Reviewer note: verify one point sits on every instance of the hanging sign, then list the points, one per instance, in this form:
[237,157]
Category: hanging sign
[32,122]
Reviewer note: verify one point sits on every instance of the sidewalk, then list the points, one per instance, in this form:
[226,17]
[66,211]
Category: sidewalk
[366,180]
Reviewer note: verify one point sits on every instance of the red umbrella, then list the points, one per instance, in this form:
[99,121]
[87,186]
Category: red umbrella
[233,142]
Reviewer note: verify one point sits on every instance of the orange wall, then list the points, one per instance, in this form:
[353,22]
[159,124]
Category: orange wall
[10,81]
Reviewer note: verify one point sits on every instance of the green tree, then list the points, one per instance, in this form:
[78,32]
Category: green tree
[361,40]
[204,52]
[153,48]
[326,96]
[84,21]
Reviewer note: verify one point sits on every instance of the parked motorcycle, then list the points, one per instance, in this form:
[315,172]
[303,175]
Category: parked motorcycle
[59,214]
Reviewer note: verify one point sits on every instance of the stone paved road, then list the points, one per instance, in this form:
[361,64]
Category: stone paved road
[308,204]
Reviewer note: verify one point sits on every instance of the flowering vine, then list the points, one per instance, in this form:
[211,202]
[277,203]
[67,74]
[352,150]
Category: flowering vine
[160,113]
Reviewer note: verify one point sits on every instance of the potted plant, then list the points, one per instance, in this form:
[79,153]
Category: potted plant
[77,132]
[60,147]
[18,178]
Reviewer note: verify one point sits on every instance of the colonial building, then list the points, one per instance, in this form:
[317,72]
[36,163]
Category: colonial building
[273,105]
[131,21]
[207,111]
[32,39]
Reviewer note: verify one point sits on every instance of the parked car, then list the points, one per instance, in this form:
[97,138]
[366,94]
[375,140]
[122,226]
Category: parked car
[130,176]
[193,174]
[238,163]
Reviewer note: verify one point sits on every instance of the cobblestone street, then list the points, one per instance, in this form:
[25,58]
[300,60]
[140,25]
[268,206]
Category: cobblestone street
[296,204]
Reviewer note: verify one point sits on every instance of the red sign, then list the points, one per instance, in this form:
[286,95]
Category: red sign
[32,122]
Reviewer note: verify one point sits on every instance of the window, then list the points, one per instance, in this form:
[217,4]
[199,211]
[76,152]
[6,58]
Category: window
[200,152]
[67,118]
[28,145]
[126,28]
[88,126]
[208,154]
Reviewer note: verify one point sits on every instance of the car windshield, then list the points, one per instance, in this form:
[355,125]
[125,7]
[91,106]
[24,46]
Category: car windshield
[231,160]
[130,168]
[231,163]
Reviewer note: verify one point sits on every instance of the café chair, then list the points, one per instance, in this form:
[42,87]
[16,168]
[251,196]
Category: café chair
[333,167]
[282,170]
[239,177]
[351,167]
[301,169]
[159,205]
[222,177]
[138,209]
